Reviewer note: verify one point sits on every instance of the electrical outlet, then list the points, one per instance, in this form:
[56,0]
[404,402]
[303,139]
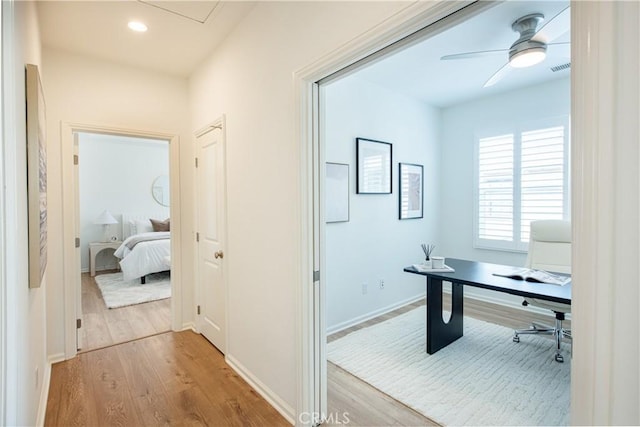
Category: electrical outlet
[381,283]
[364,289]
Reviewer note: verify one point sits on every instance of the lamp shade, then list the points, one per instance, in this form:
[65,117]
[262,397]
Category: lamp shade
[105,218]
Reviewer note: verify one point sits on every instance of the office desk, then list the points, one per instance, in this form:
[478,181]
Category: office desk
[479,275]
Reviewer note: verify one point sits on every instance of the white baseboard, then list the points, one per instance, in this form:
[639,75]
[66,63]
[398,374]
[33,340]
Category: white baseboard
[363,318]
[44,391]
[189,326]
[274,400]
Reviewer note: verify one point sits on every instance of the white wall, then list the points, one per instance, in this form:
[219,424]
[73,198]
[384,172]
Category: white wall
[25,308]
[249,78]
[88,91]
[116,174]
[375,244]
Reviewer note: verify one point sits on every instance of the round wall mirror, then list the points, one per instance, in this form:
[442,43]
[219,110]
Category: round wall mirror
[160,190]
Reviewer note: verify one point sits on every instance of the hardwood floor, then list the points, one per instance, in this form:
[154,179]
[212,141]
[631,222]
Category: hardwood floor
[365,405]
[103,327]
[175,378]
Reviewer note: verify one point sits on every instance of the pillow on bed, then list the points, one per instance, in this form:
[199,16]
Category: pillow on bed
[160,225]
[142,226]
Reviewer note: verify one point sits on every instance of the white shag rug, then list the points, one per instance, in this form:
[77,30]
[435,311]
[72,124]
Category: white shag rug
[483,378]
[117,293]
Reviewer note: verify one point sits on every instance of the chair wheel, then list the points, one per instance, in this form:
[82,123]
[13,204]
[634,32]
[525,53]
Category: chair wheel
[516,338]
[559,358]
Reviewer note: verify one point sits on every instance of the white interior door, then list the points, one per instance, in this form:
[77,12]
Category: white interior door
[210,228]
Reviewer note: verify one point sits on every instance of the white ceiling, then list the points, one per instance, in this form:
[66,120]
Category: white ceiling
[183,33]
[417,71]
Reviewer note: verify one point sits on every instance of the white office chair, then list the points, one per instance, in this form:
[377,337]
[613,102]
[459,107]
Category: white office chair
[550,250]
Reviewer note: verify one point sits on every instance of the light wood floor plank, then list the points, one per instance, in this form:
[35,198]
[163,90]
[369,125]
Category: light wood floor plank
[167,379]
[103,327]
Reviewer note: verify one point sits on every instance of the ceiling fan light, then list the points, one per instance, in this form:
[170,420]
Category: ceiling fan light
[527,58]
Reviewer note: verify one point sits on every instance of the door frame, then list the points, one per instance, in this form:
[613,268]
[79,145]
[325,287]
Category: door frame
[310,313]
[595,30]
[221,123]
[71,267]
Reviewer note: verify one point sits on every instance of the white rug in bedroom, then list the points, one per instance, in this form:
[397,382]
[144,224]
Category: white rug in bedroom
[481,379]
[117,293]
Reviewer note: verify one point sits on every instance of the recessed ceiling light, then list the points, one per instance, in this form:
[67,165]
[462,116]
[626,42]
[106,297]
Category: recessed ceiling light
[137,26]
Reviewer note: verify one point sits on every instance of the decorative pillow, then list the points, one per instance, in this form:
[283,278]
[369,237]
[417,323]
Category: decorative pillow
[143,226]
[161,225]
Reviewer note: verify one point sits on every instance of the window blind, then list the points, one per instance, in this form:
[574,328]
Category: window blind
[495,187]
[542,177]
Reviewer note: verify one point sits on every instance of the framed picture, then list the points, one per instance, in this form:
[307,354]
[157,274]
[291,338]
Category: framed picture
[411,188]
[374,166]
[36,176]
[337,192]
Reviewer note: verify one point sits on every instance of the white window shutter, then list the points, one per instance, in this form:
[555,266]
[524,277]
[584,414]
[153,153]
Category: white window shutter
[542,177]
[495,188]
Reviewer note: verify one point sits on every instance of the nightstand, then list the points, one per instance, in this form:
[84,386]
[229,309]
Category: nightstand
[96,247]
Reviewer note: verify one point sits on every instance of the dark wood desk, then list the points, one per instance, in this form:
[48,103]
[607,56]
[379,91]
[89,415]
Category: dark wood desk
[479,275]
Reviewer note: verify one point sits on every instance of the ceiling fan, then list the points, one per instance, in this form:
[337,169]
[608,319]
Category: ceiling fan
[530,48]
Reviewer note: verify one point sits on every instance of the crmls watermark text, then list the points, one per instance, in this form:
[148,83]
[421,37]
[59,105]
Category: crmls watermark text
[334,418]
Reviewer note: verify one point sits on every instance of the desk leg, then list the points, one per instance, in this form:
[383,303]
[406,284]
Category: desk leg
[439,333]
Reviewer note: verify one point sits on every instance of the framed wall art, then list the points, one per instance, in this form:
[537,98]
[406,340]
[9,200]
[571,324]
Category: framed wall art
[36,176]
[411,188]
[374,166]
[337,192]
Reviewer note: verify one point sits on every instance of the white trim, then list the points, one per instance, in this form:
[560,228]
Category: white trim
[606,248]
[409,20]
[372,314]
[272,398]
[46,383]
[3,245]
[71,268]
[189,326]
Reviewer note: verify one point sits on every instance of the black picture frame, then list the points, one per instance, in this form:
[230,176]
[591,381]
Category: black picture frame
[411,190]
[373,164]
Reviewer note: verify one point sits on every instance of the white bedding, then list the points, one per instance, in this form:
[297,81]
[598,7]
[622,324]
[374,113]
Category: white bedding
[145,258]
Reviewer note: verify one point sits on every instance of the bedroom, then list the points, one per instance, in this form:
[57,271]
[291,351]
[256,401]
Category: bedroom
[123,183]
[435,124]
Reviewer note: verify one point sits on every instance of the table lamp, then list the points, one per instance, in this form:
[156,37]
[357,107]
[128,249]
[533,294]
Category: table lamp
[105,219]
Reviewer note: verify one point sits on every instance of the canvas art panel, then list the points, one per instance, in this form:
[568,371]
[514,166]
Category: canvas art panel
[411,188]
[36,176]
[337,192]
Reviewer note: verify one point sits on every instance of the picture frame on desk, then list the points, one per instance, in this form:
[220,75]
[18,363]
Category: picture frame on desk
[36,176]
[373,164]
[411,186]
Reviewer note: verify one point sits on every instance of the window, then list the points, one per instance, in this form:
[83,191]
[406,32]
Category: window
[520,177]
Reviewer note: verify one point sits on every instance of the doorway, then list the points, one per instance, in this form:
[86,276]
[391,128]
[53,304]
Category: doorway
[379,283]
[71,221]
[123,200]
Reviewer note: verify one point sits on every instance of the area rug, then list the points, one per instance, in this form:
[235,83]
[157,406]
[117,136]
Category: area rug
[482,378]
[118,293]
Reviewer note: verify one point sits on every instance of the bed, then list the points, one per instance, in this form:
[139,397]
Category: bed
[143,251]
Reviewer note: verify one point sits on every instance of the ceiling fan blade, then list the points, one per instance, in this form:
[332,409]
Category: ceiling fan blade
[555,27]
[559,49]
[499,75]
[474,54]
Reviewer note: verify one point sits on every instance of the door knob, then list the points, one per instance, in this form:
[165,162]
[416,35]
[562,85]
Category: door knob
[218,254]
